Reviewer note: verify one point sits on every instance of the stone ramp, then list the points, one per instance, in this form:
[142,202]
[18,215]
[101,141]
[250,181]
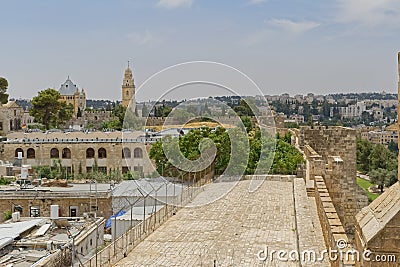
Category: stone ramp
[229,231]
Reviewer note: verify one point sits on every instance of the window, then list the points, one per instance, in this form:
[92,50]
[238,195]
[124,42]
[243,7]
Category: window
[125,169]
[19,150]
[88,169]
[66,153]
[89,153]
[73,211]
[138,153]
[34,212]
[102,153]
[126,153]
[54,153]
[102,169]
[30,153]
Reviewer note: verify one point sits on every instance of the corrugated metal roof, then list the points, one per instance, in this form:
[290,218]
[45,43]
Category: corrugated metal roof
[147,186]
[10,231]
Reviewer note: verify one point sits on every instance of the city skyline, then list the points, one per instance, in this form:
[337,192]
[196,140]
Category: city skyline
[284,46]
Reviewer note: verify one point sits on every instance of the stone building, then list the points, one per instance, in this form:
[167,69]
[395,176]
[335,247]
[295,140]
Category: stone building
[11,116]
[71,95]
[128,90]
[121,151]
[75,200]
[90,119]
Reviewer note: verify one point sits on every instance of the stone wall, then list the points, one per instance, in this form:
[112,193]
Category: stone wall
[90,119]
[43,200]
[331,154]
[332,227]
[61,257]
[112,161]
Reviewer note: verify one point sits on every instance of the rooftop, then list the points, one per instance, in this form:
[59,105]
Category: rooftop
[68,88]
[33,239]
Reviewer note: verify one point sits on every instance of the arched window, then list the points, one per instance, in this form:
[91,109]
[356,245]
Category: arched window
[66,153]
[19,150]
[30,153]
[89,153]
[138,153]
[126,153]
[102,153]
[54,153]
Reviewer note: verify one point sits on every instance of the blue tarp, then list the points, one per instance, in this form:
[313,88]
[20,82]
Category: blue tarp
[108,223]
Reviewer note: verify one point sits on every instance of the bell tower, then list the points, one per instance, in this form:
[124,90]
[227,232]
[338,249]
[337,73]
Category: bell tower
[128,90]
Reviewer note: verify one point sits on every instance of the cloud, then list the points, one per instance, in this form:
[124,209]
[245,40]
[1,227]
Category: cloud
[369,12]
[293,26]
[171,4]
[143,39]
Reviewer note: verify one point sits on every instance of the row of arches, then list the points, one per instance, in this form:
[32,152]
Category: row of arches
[90,153]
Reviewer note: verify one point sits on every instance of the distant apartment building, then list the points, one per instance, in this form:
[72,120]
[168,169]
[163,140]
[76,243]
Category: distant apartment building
[296,119]
[351,111]
[380,137]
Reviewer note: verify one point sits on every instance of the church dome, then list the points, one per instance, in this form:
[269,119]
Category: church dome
[67,88]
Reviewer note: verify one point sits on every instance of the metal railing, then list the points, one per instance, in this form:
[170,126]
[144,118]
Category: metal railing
[123,245]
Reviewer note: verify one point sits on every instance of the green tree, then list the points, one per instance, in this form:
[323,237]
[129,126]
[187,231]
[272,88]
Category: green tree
[261,148]
[393,147]
[136,112]
[95,166]
[286,158]
[380,157]
[79,113]
[364,149]
[247,123]
[65,113]
[383,177]
[112,124]
[3,90]
[245,108]
[48,110]
[7,215]
[116,123]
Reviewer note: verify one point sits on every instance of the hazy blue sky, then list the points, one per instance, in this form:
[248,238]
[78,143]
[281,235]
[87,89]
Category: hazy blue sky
[296,46]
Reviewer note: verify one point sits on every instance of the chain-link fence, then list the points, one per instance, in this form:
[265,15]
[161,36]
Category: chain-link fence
[122,245]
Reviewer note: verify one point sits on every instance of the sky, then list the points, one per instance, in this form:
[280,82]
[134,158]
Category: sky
[294,47]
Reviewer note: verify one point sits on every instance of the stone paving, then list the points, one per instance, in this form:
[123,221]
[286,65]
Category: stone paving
[233,229]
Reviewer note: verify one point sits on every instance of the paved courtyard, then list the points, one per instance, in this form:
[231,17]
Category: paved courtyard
[233,229]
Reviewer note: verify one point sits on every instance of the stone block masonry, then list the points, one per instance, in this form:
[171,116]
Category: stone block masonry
[331,153]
